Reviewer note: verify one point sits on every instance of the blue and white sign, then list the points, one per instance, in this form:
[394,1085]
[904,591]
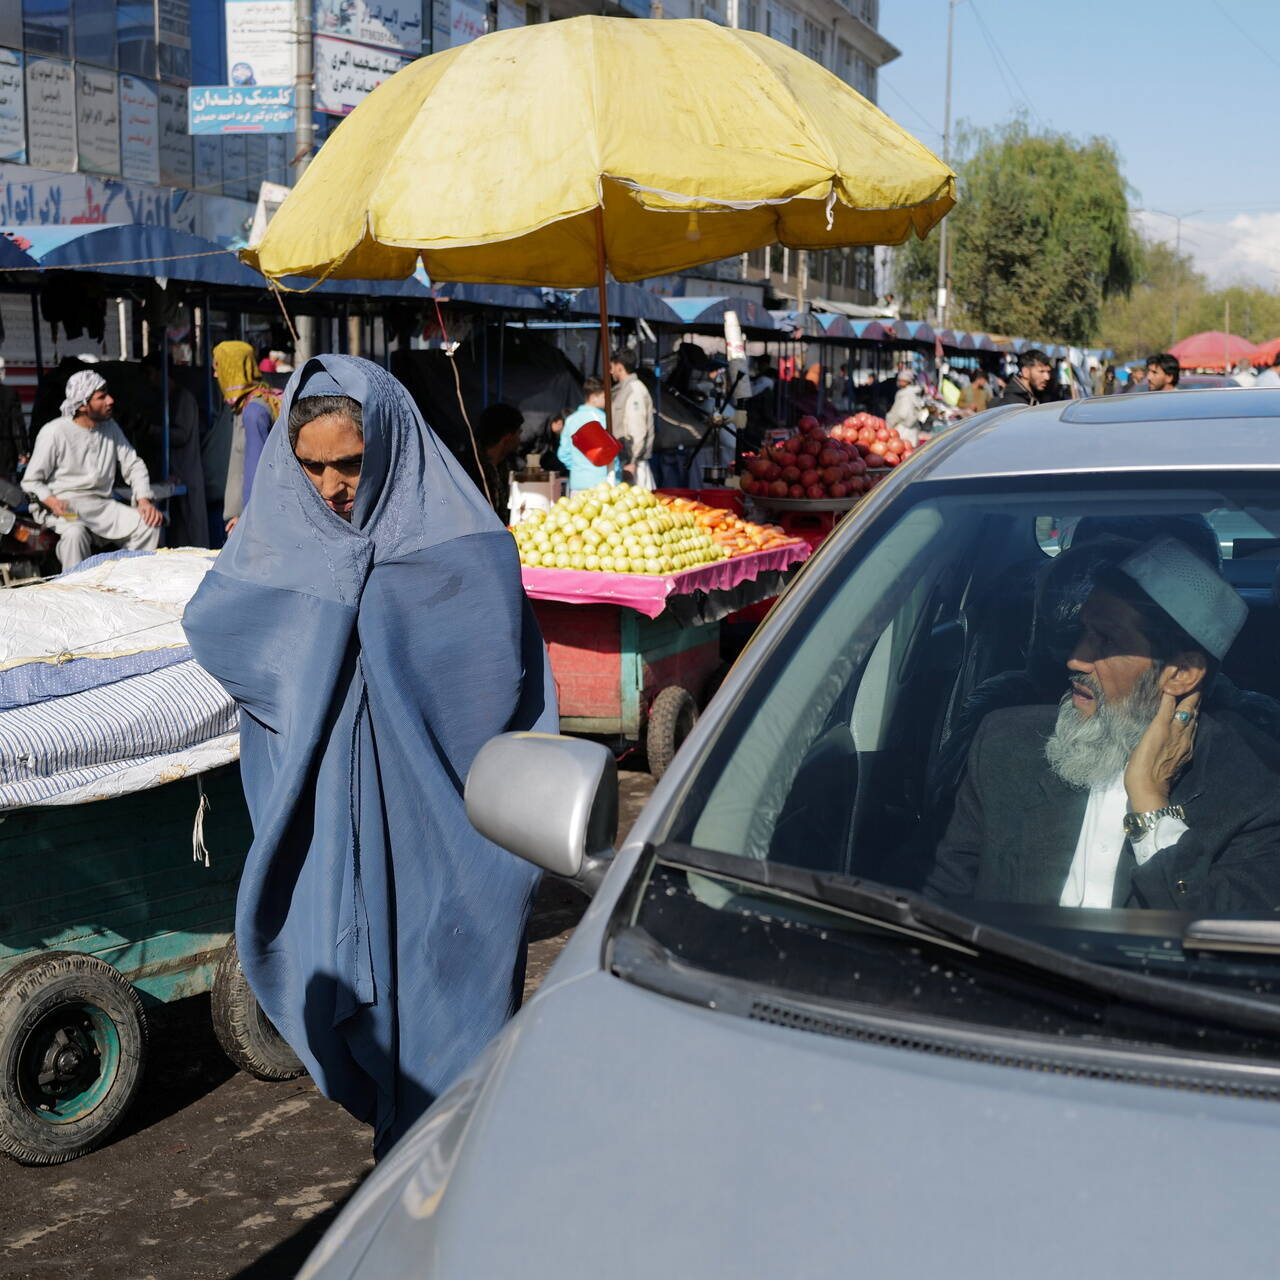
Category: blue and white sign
[259,108]
[13,134]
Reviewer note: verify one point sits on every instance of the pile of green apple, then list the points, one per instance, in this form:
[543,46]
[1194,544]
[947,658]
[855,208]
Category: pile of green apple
[614,528]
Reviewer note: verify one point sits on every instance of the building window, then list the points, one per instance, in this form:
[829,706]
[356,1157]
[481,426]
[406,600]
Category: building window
[136,36]
[95,31]
[864,269]
[868,12]
[783,24]
[749,14]
[46,26]
[815,41]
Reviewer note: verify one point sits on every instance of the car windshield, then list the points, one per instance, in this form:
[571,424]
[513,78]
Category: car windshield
[1054,710]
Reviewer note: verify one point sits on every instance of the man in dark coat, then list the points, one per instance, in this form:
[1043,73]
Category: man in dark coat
[1030,385]
[1124,795]
[14,442]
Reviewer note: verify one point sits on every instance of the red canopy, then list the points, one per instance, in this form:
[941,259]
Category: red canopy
[1265,353]
[1212,350]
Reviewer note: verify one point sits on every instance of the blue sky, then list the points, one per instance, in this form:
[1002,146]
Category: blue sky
[1186,91]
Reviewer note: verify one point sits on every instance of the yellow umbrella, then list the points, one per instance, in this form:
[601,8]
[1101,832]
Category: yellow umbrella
[543,154]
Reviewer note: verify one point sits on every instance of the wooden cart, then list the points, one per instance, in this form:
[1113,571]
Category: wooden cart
[106,913]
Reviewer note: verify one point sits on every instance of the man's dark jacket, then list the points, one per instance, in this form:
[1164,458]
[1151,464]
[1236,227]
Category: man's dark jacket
[1014,831]
[1017,392]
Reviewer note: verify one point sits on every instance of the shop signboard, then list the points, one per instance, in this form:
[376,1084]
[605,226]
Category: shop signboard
[13,111]
[260,42]
[51,114]
[97,120]
[346,73]
[235,170]
[175,139]
[223,108]
[396,24]
[279,152]
[467,22]
[206,159]
[139,129]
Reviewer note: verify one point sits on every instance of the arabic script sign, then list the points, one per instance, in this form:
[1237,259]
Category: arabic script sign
[259,108]
[347,73]
[13,134]
[394,24]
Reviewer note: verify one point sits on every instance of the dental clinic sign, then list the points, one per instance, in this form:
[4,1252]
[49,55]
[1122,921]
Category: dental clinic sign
[258,108]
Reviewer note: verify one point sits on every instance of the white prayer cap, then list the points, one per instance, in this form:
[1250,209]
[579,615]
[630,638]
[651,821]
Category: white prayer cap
[1190,591]
[80,386]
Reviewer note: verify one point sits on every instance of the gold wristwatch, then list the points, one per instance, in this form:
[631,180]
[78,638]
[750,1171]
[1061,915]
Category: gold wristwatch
[1137,825]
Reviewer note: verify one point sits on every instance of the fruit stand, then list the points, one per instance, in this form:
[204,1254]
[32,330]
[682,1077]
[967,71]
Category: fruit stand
[635,655]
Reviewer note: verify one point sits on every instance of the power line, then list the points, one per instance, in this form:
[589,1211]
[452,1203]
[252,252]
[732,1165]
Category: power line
[1251,36]
[915,111]
[1002,63]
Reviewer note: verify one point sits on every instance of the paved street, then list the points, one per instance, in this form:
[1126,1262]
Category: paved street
[217,1175]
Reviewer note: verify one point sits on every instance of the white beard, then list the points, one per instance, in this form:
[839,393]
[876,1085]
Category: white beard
[1089,751]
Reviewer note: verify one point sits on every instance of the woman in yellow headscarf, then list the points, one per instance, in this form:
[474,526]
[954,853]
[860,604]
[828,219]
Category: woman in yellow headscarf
[254,407]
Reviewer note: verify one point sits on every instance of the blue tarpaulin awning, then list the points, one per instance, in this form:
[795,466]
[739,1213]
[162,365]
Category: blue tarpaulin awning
[626,302]
[130,249]
[710,311]
[140,250]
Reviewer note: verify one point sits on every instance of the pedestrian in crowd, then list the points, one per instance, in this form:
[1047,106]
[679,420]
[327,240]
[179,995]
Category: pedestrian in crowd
[498,431]
[904,414]
[254,407]
[1137,379]
[188,512]
[632,419]
[583,473]
[977,395]
[1270,376]
[367,615]
[1030,385]
[1162,372]
[13,429]
[1109,380]
[72,472]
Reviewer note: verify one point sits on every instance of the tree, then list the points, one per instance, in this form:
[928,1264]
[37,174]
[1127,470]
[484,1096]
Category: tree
[1039,240]
[1172,300]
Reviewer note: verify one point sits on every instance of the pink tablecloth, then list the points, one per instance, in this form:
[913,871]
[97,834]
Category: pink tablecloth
[647,593]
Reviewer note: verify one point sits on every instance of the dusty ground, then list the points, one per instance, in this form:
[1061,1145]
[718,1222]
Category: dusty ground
[216,1175]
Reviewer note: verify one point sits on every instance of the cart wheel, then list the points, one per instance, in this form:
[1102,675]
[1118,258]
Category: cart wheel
[243,1030]
[671,716]
[73,1041]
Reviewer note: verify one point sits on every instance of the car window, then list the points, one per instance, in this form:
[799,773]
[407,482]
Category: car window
[915,724]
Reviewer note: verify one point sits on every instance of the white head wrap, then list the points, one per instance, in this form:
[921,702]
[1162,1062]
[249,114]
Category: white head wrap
[80,386]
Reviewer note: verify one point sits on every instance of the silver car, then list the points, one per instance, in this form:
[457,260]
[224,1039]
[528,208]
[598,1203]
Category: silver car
[872,988]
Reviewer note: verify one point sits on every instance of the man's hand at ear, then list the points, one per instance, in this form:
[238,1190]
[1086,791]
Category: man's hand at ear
[1165,749]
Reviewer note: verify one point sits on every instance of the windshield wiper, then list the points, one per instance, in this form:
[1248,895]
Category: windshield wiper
[908,912]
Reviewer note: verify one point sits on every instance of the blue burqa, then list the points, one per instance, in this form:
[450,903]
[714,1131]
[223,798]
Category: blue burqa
[382,935]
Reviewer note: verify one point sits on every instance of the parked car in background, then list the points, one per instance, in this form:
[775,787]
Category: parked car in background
[772,1046]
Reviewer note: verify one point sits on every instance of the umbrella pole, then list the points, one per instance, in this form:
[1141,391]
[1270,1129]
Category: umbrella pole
[604,320]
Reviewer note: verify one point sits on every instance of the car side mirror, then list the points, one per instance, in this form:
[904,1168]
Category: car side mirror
[550,799]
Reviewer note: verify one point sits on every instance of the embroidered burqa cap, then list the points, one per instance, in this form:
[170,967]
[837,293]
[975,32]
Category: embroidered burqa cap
[381,933]
[1197,598]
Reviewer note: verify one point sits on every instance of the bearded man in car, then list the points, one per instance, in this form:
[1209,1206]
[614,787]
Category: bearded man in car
[1125,795]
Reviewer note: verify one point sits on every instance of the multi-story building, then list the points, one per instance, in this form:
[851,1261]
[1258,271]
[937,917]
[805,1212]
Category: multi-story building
[93,108]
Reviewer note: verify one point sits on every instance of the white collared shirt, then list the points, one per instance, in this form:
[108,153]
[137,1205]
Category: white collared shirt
[1091,881]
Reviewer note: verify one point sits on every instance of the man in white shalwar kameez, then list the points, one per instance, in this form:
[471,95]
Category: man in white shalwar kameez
[72,472]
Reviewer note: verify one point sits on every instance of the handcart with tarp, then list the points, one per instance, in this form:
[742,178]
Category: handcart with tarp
[123,830]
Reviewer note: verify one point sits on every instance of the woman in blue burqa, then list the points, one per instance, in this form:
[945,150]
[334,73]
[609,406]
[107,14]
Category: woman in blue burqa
[368,617]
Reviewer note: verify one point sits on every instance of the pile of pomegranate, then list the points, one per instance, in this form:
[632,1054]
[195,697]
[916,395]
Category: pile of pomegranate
[815,465]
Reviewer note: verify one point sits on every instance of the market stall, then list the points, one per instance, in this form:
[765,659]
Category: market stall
[630,589]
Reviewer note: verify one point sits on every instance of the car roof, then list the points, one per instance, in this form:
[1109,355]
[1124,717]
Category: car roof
[1218,429]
